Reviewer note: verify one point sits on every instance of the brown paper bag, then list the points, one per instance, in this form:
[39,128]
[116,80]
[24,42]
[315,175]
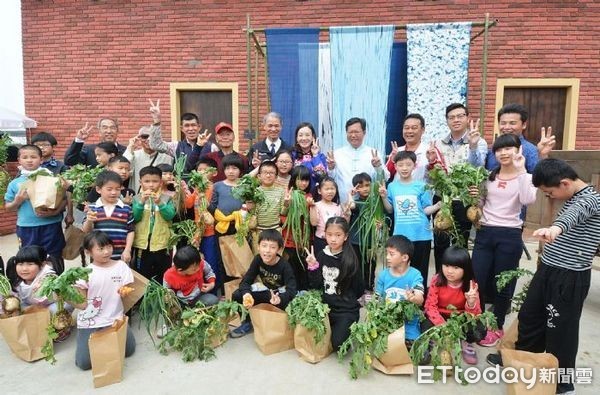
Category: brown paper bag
[139,287]
[26,334]
[510,336]
[396,359]
[230,288]
[45,192]
[529,361]
[107,353]
[236,258]
[272,332]
[74,239]
[304,343]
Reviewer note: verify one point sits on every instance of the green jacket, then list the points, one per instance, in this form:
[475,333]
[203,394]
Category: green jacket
[153,223]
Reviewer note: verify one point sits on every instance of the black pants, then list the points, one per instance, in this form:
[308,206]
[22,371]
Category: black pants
[497,249]
[420,260]
[340,326]
[152,264]
[441,240]
[549,317]
[368,268]
[297,260]
[259,297]
[473,335]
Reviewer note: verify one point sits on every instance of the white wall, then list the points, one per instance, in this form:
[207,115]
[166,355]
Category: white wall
[12,94]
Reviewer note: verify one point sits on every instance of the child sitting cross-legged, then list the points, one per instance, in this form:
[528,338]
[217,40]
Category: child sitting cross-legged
[400,281]
[454,290]
[191,277]
[277,286]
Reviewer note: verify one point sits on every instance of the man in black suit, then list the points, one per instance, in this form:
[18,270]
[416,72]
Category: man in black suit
[272,144]
[108,129]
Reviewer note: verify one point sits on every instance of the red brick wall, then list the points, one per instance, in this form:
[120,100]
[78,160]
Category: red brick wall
[84,59]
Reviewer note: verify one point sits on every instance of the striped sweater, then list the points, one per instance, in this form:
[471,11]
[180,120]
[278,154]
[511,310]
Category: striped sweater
[117,226]
[267,214]
[579,220]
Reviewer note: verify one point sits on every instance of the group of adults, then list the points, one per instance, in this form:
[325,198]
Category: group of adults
[463,143]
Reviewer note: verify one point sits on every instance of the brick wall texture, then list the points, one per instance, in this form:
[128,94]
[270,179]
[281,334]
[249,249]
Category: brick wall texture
[89,58]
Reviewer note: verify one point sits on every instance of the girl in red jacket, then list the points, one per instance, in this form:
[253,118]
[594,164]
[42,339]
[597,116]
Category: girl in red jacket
[453,290]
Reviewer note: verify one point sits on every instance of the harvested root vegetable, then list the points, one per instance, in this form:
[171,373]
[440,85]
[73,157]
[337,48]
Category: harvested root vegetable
[445,358]
[442,222]
[11,305]
[62,320]
[474,214]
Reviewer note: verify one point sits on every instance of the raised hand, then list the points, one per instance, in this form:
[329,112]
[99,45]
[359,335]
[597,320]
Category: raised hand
[203,138]
[519,160]
[311,259]
[547,142]
[431,152]
[394,150]
[255,159]
[375,160]
[474,134]
[84,132]
[382,190]
[287,196]
[155,111]
[472,294]
[314,148]
[128,198]
[330,160]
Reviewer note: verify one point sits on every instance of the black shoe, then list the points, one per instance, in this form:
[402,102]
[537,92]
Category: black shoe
[494,359]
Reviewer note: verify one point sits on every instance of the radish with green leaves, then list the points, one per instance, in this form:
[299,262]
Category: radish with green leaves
[11,305]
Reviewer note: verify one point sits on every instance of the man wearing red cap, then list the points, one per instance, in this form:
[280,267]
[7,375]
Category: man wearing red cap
[224,138]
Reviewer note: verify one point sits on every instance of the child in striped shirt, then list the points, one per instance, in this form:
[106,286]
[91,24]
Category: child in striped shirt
[549,317]
[110,215]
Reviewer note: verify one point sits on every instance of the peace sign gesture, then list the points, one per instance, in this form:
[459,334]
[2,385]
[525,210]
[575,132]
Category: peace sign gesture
[519,160]
[203,138]
[472,294]
[311,260]
[474,134]
[394,150]
[287,197]
[84,132]
[255,159]
[547,142]
[431,152]
[375,160]
[155,110]
[314,148]
[330,160]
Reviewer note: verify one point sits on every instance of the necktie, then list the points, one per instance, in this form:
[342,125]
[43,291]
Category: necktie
[272,149]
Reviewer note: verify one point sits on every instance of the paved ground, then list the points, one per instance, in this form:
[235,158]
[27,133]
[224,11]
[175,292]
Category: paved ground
[241,368]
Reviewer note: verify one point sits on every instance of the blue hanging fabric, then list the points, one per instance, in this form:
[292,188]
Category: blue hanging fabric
[325,127]
[308,68]
[438,65]
[397,96]
[360,79]
[285,80]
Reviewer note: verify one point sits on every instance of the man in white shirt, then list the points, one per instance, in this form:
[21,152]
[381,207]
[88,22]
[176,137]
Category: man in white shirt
[143,157]
[272,144]
[412,133]
[354,158]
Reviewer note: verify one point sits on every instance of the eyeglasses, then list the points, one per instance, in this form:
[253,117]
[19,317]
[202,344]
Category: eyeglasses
[458,116]
[285,162]
[43,145]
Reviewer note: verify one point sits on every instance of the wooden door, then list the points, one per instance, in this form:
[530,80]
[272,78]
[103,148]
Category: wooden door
[546,107]
[211,106]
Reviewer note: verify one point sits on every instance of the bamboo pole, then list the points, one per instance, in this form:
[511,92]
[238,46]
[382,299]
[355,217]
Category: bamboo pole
[397,27]
[248,71]
[484,74]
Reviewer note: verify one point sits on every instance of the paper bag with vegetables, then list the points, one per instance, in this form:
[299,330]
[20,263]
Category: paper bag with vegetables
[309,317]
[26,334]
[44,190]
[107,353]
[272,331]
[236,258]
[395,360]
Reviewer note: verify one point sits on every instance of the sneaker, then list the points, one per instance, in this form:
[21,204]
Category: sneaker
[492,338]
[162,331]
[494,359]
[468,353]
[241,330]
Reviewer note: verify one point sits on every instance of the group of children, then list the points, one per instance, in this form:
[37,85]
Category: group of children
[132,229]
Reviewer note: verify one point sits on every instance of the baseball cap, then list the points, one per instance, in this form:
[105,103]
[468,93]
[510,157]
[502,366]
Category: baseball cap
[223,125]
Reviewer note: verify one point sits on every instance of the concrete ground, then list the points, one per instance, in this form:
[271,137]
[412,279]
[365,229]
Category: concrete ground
[241,368]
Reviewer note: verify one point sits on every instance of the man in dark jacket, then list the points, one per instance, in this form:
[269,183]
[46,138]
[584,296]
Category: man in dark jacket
[108,129]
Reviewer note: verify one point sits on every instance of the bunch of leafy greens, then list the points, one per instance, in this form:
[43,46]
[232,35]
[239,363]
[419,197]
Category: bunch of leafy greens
[200,180]
[61,289]
[309,311]
[187,230]
[159,305]
[369,339]
[82,179]
[179,174]
[297,221]
[5,142]
[201,330]
[443,342]
[506,277]
[247,190]
[11,305]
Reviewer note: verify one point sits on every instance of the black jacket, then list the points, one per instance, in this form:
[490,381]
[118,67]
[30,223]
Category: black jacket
[84,154]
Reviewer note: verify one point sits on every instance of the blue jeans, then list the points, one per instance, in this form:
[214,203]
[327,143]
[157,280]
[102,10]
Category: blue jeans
[497,249]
